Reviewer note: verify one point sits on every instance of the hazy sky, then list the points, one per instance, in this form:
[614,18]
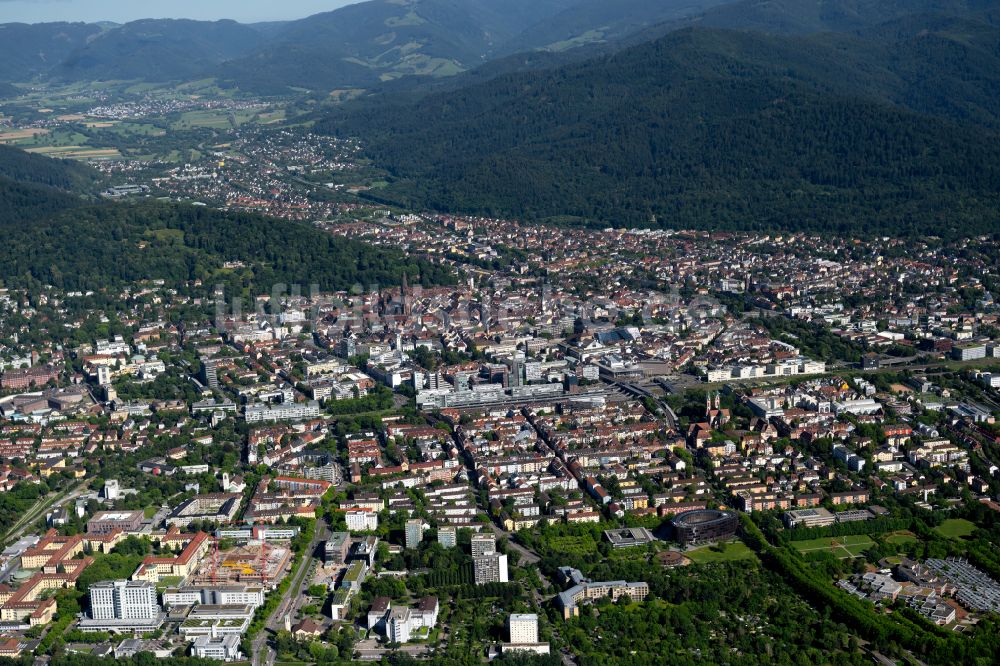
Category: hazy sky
[36,11]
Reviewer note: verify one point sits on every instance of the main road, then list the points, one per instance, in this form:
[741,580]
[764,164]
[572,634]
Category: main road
[289,600]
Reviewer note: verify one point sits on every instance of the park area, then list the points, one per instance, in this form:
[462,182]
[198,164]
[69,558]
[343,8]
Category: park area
[725,552]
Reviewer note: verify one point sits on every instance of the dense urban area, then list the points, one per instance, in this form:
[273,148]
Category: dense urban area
[255,408]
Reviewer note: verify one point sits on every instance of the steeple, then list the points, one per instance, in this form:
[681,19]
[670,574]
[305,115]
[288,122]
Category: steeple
[405,296]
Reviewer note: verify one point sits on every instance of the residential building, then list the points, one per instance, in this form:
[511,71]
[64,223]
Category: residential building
[292,411]
[483,544]
[447,537]
[414,532]
[523,628]
[490,568]
[586,590]
[361,520]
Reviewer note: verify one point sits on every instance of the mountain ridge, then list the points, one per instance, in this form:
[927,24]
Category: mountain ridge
[159,50]
[702,127]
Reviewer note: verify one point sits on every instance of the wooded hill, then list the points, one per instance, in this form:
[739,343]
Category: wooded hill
[890,131]
[112,244]
[56,233]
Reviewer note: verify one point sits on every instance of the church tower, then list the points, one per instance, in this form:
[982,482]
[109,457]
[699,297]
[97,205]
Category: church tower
[404,293]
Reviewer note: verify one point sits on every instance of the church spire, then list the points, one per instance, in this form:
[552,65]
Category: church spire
[404,295]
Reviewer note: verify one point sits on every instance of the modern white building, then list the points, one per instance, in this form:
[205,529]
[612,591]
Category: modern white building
[523,627]
[217,620]
[292,411]
[854,462]
[123,606]
[863,406]
[400,622]
[990,379]
[786,368]
[220,648]
[112,490]
[361,520]
[968,352]
[214,594]
[123,600]
[398,625]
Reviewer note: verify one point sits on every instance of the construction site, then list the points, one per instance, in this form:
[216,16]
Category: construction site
[258,563]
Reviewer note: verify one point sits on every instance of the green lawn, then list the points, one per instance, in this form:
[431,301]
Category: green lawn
[213,118]
[621,554]
[726,553]
[855,550]
[956,528]
[169,581]
[902,538]
[842,546]
[573,545]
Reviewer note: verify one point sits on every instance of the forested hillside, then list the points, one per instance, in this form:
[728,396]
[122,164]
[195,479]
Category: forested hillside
[715,129]
[54,235]
[24,202]
[25,167]
[112,244]
[810,16]
[365,43]
[595,21]
[33,187]
[27,51]
[158,50]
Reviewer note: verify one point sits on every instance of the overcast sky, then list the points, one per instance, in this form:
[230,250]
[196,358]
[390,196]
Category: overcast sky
[120,11]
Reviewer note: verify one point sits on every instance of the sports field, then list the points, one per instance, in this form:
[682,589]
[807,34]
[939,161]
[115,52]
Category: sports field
[841,546]
[955,528]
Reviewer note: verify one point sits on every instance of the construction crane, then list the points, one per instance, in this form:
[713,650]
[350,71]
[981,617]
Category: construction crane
[263,559]
[216,561]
